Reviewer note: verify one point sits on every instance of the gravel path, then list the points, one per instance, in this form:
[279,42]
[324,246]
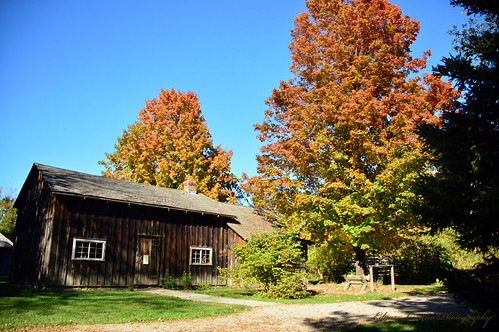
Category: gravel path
[208,298]
[267,316]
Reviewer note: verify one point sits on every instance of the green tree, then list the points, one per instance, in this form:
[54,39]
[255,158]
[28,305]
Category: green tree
[341,151]
[463,192]
[8,216]
[170,143]
[330,261]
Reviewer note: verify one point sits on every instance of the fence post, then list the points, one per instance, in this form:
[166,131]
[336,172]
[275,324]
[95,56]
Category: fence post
[371,277]
[392,273]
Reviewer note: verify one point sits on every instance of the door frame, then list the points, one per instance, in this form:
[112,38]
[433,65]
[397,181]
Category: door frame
[148,269]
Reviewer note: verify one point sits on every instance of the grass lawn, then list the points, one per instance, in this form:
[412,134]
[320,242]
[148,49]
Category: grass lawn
[27,307]
[325,293]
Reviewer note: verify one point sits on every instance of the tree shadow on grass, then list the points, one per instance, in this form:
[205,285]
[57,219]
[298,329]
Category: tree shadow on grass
[423,304]
[439,309]
[335,320]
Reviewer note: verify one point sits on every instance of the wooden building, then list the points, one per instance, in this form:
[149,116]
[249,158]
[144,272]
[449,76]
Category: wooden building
[81,230]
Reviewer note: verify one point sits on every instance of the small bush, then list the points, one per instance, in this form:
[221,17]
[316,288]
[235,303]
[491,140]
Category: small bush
[167,282]
[186,280]
[206,286]
[291,286]
[460,258]
[419,261]
[272,260]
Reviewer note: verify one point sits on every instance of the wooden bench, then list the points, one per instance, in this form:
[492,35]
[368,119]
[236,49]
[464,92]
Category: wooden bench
[356,280]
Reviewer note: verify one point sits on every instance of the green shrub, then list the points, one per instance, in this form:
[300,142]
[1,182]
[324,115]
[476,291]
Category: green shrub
[167,282]
[419,261]
[458,257]
[206,286]
[273,260]
[186,280]
[290,286]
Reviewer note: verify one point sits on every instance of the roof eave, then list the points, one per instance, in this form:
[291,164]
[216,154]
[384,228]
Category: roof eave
[168,207]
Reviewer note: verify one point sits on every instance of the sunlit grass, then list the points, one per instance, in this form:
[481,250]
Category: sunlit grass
[26,307]
[328,294]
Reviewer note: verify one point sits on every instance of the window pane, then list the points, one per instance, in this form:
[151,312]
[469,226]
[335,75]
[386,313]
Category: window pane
[81,249]
[196,256]
[95,250]
[205,259]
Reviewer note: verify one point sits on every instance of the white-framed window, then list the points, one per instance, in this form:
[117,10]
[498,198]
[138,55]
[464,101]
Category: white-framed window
[89,250]
[201,256]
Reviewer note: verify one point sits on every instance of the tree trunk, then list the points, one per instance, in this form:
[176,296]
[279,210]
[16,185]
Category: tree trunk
[360,259]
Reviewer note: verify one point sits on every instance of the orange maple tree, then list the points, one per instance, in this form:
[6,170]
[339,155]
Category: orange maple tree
[170,143]
[340,151]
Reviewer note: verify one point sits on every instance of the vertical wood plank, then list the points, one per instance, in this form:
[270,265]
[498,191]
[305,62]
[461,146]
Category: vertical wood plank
[167,246]
[45,232]
[190,221]
[100,234]
[118,235]
[87,267]
[53,268]
[226,247]
[162,232]
[77,220]
[108,265]
[111,246]
[180,246]
[68,232]
[131,251]
[219,254]
[174,251]
[75,229]
[124,250]
[93,277]
[209,270]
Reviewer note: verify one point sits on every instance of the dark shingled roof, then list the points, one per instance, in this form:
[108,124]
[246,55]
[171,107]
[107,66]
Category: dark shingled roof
[66,182]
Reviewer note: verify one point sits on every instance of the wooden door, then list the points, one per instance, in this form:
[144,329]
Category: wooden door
[147,259]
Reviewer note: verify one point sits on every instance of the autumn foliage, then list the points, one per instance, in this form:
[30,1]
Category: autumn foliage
[170,143]
[341,152]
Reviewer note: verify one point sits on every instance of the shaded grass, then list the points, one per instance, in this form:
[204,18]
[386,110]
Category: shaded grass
[28,307]
[335,294]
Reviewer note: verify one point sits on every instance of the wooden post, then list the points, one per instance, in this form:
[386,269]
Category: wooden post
[371,278]
[392,273]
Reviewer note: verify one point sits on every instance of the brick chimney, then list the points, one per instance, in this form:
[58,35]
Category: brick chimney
[190,186]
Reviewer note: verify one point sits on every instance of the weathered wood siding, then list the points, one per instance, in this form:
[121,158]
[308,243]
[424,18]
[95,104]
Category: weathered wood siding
[33,232]
[127,230]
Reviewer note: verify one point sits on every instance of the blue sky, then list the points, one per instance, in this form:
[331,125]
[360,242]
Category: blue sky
[74,74]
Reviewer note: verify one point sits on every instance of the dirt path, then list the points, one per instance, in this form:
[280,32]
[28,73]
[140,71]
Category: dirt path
[265,316]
